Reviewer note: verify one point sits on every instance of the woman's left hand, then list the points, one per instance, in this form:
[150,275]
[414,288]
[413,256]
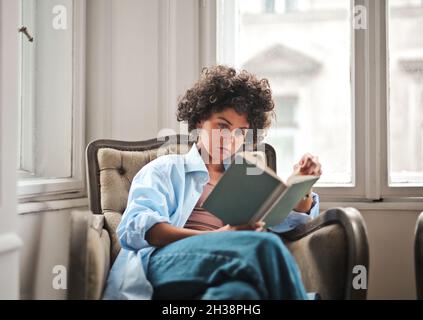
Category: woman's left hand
[308,165]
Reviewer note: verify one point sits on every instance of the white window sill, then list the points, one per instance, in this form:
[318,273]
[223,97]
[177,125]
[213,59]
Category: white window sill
[52,205]
[400,204]
[41,187]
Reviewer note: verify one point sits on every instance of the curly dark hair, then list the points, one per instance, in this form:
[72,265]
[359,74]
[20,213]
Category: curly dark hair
[220,87]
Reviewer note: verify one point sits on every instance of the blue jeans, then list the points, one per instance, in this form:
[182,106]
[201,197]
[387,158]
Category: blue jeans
[225,265]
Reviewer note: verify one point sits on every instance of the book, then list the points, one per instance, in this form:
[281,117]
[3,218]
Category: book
[249,192]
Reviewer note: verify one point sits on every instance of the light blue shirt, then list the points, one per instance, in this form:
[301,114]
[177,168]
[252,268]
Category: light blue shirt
[164,190]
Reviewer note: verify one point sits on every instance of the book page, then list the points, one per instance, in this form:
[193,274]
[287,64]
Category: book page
[268,204]
[288,200]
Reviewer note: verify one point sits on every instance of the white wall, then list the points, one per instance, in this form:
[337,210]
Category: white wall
[122,69]
[46,244]
[141,55]
[391,242]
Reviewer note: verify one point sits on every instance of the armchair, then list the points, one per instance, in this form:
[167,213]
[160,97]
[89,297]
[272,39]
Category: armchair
[326,249]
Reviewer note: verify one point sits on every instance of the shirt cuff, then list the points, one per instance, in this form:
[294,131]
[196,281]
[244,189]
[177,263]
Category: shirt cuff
[314,210]
[131,234]
[295,218]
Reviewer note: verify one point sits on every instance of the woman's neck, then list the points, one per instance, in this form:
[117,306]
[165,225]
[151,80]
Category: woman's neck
[212,168]
[215,168]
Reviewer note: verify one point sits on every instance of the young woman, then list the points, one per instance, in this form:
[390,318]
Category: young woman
[174,249]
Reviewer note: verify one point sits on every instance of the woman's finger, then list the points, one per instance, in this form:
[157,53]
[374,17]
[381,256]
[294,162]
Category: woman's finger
[317,169]
[308,162]
[304,158]
[260,224]
[312,166]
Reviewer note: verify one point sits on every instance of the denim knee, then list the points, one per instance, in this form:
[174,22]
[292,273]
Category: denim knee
[266,237]
[268,242]
[232,289]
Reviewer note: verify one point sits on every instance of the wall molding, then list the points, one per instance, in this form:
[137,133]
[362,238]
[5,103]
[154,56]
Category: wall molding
[99,66]
[167,62]
[208,35]
[179,60]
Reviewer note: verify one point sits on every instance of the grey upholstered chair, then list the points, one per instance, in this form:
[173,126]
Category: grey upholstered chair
[326,249]
[418,256]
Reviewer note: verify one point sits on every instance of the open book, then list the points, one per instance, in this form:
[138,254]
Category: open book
[249,191]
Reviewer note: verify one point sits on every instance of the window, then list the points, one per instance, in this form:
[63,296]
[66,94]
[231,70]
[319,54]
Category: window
[51,122]
[405,92]
[285,131]
[347,80]
[304,49]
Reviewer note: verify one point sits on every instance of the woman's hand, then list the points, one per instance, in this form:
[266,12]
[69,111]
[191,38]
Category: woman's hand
[258,226]
[308,165]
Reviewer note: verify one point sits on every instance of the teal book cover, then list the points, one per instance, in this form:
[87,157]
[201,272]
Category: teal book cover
[249,191]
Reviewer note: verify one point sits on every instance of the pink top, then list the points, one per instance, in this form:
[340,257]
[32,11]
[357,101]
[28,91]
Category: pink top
[201,219]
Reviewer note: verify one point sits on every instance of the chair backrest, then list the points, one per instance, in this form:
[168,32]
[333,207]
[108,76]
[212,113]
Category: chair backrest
[332,253]
[112,164]
[418,256]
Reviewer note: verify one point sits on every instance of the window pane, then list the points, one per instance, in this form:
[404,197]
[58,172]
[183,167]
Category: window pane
[46,88]
[405,92]
[304,49]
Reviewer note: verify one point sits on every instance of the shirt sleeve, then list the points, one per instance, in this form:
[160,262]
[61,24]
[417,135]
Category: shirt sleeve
[296,218]
[150,201]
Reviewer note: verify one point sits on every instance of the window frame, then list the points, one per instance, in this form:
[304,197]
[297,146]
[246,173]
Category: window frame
[369,81]
[37,189]
[395,190]
[25,138]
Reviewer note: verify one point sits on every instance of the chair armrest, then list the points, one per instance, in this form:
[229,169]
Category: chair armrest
[89,256]
[418,256]
[342,225]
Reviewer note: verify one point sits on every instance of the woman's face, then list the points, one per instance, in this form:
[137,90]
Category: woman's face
[222,134]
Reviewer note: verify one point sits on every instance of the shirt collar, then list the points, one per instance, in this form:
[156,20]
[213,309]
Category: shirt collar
[194,161]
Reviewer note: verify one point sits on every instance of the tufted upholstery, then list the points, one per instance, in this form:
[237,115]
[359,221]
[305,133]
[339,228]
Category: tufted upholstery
[326,249]
[117,168]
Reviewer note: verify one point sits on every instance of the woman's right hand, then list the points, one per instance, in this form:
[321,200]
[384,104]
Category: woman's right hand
[258,226]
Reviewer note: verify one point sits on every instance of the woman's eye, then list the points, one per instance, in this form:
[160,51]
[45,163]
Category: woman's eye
[239,133]
[222,125]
